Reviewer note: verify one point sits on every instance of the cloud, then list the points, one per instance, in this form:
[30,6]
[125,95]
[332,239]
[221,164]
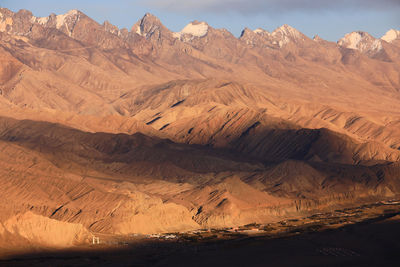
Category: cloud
[269,6]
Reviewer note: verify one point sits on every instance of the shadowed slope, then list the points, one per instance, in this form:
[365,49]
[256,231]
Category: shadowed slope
[86,171]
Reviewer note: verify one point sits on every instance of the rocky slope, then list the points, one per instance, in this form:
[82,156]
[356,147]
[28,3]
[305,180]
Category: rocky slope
[116,131]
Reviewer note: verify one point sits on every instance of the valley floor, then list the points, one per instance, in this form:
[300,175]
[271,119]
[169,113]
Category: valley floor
[362,236]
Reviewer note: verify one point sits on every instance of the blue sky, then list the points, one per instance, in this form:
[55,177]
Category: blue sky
[329,19]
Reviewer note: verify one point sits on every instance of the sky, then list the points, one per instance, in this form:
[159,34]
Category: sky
[330,19]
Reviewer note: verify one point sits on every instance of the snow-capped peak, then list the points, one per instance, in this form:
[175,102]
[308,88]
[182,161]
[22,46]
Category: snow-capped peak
[285,34]
[276,39]
[61,19]
[194,29]
[361,41]
[148,26]
[351,40]
[391,35]
[287,30]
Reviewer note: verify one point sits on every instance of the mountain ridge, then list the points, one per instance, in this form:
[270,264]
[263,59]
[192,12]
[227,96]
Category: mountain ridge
[59,21]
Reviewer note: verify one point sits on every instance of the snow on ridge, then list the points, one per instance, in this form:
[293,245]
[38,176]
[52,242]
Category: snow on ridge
[198,30]
[285,34]
[351,40]
[361,41]
[176,35]
[41,21]
[391,35]
[287,31]
[280,36]
[195,30]
[139,30]
[376,46]
[60,19]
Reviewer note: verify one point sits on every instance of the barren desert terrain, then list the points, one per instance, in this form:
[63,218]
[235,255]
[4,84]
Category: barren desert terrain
[126,133]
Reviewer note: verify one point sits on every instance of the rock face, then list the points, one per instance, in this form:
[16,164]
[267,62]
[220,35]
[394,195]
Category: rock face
[362,42]
[151,28]
[277,39]
[110,131]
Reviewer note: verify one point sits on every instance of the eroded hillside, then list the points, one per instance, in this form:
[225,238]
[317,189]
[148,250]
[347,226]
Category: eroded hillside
[111,131]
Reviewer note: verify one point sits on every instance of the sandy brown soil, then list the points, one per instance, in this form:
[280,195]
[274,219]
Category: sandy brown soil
[105,131]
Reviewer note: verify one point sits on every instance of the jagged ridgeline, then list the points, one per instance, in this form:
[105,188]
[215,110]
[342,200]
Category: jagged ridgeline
[115,131]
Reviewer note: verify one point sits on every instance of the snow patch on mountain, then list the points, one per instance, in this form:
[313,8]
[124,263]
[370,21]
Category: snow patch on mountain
[43,20]
[287,30]
[391,35]
[284,34]
[376,45]
[361,41]
[40,20]
[193,29]
[61,19]
[138,30]
[351,40]
[276,39]
[4,22]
